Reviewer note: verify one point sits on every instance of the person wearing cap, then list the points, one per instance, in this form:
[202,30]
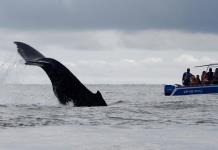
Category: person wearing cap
[186,78]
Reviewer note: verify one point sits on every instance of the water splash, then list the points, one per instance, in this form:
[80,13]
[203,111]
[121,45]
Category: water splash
[11,70]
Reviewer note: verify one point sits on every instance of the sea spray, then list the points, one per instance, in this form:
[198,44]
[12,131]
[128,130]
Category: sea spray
[11,69]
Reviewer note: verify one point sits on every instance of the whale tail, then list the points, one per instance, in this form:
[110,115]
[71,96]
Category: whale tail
[27,52]
[65,84]
[100,99]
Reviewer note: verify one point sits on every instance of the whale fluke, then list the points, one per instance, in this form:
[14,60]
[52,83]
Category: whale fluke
[65,85]
[27,52]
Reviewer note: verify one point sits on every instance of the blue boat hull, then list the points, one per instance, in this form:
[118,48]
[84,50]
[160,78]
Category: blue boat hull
[172,90]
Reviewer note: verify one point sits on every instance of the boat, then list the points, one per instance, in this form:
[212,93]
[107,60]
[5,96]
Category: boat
[179,90]
[176,90]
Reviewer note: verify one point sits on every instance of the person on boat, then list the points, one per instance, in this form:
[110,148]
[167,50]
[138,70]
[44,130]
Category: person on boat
[186,78]
[210,75]
[193,81]
[203,76]
[198,80]
[215,76]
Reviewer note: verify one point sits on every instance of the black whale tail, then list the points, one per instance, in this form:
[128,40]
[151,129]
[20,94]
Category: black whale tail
[65,84]
[100,99]
[27,52]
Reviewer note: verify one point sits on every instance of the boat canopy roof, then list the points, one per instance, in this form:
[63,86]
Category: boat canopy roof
[209,65]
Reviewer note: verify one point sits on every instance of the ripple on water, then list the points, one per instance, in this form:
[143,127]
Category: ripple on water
[129,106]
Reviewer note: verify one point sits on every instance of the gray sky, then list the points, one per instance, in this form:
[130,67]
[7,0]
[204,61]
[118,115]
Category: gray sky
[187,15]
[110,41]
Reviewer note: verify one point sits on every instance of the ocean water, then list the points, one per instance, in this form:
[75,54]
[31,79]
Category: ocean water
[138,117]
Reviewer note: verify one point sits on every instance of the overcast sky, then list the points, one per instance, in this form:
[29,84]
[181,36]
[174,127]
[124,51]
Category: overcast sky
[110,41]
[188,15]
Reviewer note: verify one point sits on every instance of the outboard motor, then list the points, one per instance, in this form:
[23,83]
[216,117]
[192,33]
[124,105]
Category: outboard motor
[168,89]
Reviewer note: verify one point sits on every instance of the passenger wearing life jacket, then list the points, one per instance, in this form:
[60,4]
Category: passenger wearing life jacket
[204,78]
[186,78]
[194,81]
[198,80]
